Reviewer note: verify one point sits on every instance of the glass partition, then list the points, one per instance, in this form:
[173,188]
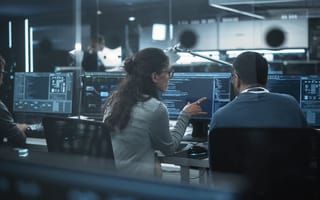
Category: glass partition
[42,36]
[96,35]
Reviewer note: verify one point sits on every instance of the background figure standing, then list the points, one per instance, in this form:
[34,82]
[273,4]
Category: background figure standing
[254,105]
[11,132]
[139,120]
[47,57]
[98,57]
[91,61]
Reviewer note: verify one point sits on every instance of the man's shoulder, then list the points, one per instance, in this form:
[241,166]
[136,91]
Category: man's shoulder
[282,96]
[226,109]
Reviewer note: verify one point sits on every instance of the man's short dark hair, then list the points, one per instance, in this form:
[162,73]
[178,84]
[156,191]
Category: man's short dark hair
[251,68]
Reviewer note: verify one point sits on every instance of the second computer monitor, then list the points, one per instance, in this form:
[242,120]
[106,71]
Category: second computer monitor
[97,86]
[187,87]
[42,92]
[304,88]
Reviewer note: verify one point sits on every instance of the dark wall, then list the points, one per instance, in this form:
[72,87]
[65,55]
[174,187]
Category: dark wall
[14,56]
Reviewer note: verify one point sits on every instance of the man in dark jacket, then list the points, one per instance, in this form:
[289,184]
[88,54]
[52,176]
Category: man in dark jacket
[10,132]
[254,105]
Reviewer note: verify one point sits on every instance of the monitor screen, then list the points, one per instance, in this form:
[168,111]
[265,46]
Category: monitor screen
[42,92]
[97,86]
[310,99]
[187,87]
[287,84]
[304,88]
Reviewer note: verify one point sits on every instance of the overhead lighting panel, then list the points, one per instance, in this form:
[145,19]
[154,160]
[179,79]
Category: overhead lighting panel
[221,4]
[240,2]
[238,11]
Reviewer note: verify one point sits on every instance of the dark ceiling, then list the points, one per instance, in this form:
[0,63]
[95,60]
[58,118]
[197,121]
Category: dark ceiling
[62,10]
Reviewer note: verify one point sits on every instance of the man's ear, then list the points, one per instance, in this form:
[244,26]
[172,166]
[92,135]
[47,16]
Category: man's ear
[154,77]
[237,82]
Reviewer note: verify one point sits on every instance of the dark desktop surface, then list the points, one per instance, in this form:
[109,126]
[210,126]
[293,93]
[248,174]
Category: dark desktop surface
[38,175]
[34,120]
[193,150]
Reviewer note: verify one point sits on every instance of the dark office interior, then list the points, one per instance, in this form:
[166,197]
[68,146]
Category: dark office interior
[48,87]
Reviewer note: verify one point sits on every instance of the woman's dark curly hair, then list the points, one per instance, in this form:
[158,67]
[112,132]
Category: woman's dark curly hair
[136,86]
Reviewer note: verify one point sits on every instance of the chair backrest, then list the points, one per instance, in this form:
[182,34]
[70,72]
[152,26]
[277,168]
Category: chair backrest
[77,136]
[264,156]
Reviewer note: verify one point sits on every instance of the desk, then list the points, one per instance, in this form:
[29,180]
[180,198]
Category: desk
[57,176]
[186,164]
[36,141]
[39,144]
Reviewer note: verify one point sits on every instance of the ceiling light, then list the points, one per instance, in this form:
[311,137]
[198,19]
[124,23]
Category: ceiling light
[159,31]
[131,19]
[241,2]
[99,12]
[237,11]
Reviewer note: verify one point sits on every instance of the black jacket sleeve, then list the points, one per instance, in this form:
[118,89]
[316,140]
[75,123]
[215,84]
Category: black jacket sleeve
[9,129]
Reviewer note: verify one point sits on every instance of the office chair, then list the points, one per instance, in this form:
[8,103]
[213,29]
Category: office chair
[275,162]
[77,136]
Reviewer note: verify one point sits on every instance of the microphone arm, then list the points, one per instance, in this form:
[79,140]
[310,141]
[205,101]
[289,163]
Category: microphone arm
[177,49]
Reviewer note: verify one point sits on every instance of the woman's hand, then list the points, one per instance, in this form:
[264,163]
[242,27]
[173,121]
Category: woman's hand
[195,108]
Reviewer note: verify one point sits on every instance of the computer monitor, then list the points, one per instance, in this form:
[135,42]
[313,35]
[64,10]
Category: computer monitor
[42,92]
[97,86]
[287,84]
[187,87]
[310,99]
[304,88]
